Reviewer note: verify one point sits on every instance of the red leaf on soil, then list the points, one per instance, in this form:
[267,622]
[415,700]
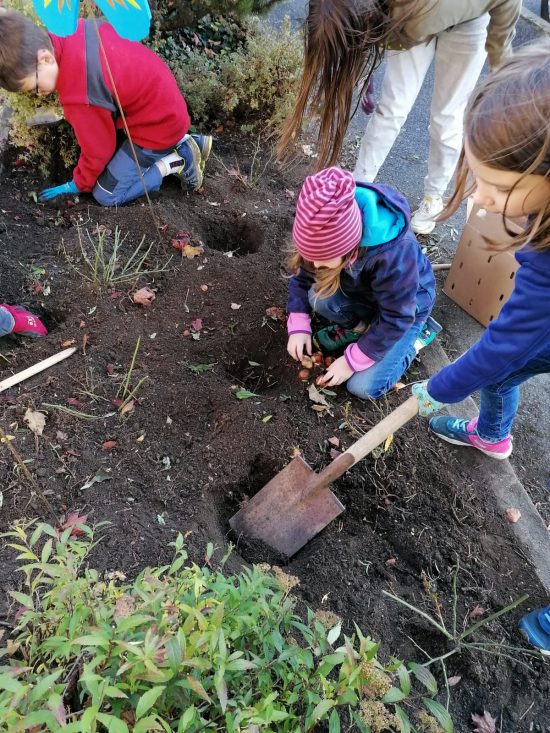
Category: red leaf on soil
[276,313]
[71,520]
[143,296]
[60,714]
[204,288]
[477,612]
[334,441]
[334,453]
[37,288]
[61,436]
[197,324]
[116,294]
[116,402]
[109,445]
[187,332]
[109,369]
[73,402]
[20,611]
[484,723]
[391,562]
[183,239]
[82,324]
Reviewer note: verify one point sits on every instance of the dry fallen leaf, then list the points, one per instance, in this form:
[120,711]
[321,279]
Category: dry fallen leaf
[68,343]
[109,445]
[128,407]
[454,680]
[391,562]
[334,453]
[35,420]
[316,396]
[197,324]
[484,723]
[513,515]
[143,296]
[276,313]
[334,441]
[204,288]
[190,251]
[477,612]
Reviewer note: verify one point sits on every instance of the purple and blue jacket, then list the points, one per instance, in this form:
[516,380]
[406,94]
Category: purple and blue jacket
[391,276]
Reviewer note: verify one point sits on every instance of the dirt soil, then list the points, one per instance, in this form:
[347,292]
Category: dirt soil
[190,452]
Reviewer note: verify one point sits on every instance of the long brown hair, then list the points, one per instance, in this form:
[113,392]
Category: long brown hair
[344,41]
[507,127]
[327,281]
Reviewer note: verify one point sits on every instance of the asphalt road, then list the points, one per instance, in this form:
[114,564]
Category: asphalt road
[405,169]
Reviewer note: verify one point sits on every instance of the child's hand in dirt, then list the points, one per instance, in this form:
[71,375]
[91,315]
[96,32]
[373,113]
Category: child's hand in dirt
[427,405]
[298,344]
[339,371]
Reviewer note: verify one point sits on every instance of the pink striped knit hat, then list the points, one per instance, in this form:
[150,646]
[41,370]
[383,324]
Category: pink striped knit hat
[328,220]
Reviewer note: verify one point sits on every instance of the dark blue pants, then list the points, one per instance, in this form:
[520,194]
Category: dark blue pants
[121,182]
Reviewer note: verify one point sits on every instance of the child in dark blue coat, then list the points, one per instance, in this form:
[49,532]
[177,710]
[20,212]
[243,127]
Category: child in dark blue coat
[507,152]
[358,264]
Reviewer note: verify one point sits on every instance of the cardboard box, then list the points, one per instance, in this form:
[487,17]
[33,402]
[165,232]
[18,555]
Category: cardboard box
[481,280]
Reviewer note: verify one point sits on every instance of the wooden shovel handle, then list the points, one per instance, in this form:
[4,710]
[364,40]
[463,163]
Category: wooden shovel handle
[35,368]
[368,442]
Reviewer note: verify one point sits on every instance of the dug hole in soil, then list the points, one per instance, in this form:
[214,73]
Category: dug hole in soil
[190,452]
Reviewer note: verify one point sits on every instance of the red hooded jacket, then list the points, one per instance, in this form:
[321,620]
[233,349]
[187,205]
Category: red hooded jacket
[154,108]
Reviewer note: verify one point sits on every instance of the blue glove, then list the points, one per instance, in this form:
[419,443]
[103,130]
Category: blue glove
[48,194]
[426,403]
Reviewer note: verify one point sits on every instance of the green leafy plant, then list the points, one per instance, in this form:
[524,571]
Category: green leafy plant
[201,368]
[250,75]
[183,648]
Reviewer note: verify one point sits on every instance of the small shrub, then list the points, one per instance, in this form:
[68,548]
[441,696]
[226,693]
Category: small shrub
[180,648]
[248,75]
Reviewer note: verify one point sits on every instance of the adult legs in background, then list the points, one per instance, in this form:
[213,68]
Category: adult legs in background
[404,75]
[459,57]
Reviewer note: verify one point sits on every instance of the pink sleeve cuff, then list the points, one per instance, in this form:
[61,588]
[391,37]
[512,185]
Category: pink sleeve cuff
[298,323]
[356,359]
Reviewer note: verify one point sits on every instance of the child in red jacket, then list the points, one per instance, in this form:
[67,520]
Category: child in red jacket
[96,74]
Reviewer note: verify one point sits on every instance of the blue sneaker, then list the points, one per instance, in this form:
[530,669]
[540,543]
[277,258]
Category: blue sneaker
[535,627]
[464,432]
[189,170]
[428,333]
[205,146]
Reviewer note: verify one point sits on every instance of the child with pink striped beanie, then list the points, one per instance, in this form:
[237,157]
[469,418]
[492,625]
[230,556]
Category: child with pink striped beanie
[357,263]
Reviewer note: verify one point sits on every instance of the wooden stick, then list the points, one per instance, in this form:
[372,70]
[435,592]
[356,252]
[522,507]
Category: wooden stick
[36,368]
[441,266]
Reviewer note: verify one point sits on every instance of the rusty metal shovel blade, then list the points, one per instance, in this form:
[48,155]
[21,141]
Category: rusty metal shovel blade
[297,503]
[285,514]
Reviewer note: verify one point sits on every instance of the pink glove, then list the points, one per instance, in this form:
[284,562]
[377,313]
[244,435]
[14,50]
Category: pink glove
[15,319]
[367,100]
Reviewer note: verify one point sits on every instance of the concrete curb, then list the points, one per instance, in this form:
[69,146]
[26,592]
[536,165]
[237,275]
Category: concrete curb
[536,20]
[499,480]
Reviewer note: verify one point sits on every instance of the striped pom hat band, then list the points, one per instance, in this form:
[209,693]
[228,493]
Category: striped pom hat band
[328,221]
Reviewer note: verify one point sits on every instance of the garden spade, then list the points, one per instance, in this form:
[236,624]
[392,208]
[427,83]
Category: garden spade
[298,503]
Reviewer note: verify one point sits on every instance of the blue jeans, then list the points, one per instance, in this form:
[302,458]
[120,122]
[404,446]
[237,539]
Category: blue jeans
[121,182]
[499,402]
[380,377]
[6,322]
